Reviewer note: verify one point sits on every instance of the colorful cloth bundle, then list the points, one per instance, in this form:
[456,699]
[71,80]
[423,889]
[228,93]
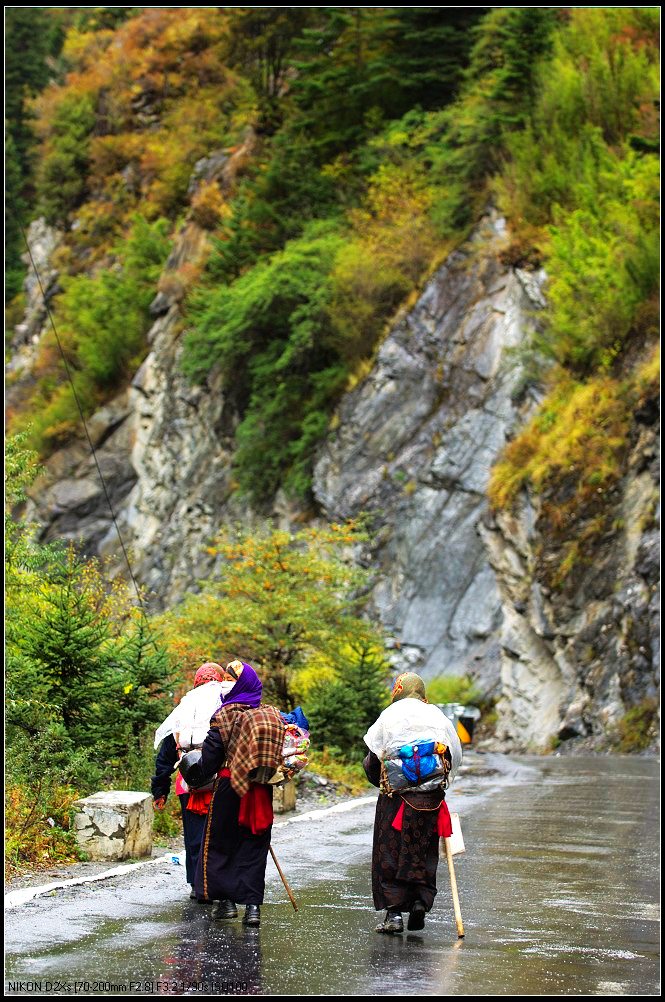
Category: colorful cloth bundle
[295,749]
[422,765]
[419,761]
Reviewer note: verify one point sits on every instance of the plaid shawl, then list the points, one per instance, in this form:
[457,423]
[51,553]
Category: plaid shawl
[252,737]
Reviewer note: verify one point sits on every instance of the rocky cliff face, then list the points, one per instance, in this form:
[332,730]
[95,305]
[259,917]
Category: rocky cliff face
[164,447]
[575,659]
[414,446]
[456,588]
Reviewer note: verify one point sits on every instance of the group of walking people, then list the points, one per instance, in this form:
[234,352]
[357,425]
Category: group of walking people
[229,746]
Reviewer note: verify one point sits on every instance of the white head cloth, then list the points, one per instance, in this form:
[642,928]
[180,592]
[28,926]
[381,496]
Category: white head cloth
[190,720]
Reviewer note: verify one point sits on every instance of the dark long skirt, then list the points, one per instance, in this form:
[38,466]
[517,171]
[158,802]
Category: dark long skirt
[192,830]
[404,863]
[232,861]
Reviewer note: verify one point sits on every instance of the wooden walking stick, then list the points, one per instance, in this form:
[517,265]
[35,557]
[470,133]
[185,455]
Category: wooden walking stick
[453,887]
[284,880]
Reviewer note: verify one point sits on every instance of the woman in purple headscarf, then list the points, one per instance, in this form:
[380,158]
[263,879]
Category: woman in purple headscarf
[243,748]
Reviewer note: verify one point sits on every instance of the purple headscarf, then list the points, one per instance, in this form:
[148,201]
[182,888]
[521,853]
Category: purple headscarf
[247,689]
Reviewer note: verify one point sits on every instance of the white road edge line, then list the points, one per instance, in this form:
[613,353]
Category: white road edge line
[25,894]
[15,898]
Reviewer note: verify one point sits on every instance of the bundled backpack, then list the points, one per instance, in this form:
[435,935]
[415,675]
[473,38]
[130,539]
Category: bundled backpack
[423,765]
[295,748]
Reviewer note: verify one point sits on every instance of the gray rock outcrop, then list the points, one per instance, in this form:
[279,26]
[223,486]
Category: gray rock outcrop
[43,241]
[576,658]
[414,445]
[68,499]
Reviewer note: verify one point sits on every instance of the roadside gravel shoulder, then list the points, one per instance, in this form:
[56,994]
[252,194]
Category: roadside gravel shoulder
[314,792]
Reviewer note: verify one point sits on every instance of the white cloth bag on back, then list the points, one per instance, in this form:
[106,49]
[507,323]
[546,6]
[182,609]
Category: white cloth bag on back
[410,720]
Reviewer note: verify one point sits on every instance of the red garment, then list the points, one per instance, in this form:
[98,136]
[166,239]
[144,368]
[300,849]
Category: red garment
[199,802]
[256,809]
[444,823]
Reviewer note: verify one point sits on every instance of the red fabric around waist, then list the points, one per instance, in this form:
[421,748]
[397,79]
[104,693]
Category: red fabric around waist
[444,824]
[256,809]
[199,801]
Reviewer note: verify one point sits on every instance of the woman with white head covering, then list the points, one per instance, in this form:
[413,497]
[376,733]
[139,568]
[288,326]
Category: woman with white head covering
[243,748]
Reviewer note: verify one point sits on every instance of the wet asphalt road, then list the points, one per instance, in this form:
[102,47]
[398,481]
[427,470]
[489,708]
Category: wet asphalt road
[558,888]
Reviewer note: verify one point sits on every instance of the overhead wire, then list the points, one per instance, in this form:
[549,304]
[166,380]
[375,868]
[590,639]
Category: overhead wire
[83,422]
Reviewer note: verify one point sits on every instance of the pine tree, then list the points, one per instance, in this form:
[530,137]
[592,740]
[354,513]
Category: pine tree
[65,649]
[431,49]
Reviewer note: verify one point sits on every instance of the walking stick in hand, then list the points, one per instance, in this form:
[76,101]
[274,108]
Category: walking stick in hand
[453,887]
[284,880]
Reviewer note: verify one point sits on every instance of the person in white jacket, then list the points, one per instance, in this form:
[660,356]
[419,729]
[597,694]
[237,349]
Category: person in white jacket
[414,753]
[185,728]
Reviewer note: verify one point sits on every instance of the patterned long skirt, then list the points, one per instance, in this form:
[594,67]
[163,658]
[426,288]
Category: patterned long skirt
[232,861]
[404,862]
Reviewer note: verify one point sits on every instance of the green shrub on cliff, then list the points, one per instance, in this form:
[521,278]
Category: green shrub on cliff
[270,331]
[581,186]
[603,263]
[102,320]
[61,176]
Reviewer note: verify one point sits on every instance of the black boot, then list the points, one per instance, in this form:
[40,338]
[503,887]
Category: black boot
[252,915]
[192,892]
[224,910]
[416,916]
[392,923]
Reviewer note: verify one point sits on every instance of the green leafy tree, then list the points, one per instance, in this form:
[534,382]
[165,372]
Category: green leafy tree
[85,678]
[349,71]
[283,603]
[141,670]
[64,646]
[341,708]
[496,98]
[62,174]
[431,47]
[15,217]
[271,334]
[261,42]
[33,36]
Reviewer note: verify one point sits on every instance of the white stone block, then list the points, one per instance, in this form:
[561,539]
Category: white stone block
[116,824]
